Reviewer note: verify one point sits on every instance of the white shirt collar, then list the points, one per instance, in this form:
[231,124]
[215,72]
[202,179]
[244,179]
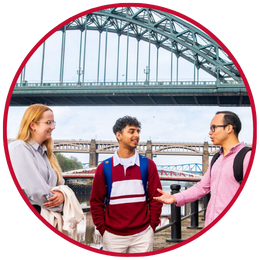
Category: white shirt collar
[116,159]
[41,148]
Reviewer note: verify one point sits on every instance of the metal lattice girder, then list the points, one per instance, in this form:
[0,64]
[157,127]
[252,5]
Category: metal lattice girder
[165,31]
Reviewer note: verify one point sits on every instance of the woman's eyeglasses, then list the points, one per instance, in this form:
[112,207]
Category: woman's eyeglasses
[49,122]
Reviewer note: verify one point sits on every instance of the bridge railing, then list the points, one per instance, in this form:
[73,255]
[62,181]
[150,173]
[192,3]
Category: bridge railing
[129,83]
[140,143]
[176,219]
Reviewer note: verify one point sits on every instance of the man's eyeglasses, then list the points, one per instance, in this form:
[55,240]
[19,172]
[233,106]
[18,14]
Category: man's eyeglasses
[213,127]
[49,122]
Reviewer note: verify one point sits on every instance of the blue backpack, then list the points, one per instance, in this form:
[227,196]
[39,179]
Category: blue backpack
[107,169]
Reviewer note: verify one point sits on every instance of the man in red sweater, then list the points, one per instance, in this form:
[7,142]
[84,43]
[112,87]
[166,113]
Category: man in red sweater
[128,221]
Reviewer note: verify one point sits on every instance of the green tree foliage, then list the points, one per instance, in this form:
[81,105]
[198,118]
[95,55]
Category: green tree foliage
[68,164]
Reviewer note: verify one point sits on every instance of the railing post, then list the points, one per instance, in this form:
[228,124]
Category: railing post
[194,221]
[175,218]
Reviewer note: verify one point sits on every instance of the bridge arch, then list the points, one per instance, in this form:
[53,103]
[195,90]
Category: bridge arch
[179,149]
[164,30]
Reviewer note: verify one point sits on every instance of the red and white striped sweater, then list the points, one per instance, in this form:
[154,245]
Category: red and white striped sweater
[127,212]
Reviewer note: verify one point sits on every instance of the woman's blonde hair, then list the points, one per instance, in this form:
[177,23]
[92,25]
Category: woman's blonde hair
[32,114]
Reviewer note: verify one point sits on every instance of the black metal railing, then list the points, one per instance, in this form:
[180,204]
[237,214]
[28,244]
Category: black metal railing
[176,218]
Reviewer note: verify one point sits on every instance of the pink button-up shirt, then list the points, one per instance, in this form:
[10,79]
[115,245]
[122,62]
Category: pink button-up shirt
[222,184]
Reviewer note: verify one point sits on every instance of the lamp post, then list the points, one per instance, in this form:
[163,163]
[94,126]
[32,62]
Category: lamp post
[79,72]
[147,72]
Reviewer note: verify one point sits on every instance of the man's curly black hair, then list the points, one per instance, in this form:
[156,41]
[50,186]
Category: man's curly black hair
[122,122]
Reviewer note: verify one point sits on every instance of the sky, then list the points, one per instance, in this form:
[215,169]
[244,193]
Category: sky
[159,124]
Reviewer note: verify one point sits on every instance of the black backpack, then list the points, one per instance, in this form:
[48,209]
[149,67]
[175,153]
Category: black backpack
[237,165]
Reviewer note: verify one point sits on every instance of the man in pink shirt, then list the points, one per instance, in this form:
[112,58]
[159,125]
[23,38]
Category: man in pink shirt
[220,182]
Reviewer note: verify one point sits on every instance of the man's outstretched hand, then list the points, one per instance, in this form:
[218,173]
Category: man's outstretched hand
[165,197]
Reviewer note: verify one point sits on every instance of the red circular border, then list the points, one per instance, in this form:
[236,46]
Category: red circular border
[129,5]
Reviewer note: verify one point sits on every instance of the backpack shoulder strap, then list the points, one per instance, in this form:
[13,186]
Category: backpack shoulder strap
[144,165]
[107,169]
[213,160]
[238,163]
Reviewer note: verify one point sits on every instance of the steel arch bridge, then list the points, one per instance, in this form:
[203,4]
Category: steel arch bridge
[163,30]
[160,31]
[187,167]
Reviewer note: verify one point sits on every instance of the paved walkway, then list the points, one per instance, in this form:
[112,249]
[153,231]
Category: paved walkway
[160,237]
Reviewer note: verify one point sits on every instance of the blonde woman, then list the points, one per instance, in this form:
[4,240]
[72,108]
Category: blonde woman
[33,161]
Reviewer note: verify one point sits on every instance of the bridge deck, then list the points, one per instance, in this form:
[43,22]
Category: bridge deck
[131,94]
[157,148]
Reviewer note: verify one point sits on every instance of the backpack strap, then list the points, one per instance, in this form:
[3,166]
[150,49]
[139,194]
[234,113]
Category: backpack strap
[107,169]
[238,164]
[213,160]
[144,165]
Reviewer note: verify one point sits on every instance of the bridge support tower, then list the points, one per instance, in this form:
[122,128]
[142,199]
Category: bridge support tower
[149,152]
[93,155]
[205,158]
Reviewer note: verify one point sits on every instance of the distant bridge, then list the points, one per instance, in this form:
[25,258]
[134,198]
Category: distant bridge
[149,149]
[109,147]
[187,167]
[163,175]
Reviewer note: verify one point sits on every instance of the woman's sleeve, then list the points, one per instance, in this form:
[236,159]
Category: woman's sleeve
[31,181]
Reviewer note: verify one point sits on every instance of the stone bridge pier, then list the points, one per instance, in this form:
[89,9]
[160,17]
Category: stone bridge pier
[93,155]
[149,151]
[205,158]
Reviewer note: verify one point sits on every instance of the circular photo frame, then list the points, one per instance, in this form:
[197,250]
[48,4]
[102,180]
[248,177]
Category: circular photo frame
[190,19]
